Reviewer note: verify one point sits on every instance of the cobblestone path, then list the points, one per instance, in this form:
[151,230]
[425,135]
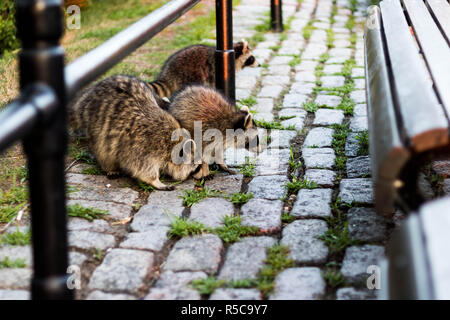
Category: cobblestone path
[316,200]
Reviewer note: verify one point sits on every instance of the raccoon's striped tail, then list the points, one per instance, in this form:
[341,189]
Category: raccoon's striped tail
[160,88]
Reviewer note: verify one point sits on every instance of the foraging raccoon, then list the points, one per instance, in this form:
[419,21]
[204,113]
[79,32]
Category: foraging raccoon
[201,103]
[127,130]
[196,64]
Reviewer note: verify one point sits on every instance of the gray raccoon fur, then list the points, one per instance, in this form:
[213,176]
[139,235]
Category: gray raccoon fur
[128,131]
[196,65]
[214,110]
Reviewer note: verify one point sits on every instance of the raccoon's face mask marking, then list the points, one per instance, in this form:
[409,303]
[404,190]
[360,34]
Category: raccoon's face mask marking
[243,56]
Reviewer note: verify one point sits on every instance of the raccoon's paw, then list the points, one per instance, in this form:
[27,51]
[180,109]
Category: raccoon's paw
[225,168]
[112,174]
[168,188]
[208,177]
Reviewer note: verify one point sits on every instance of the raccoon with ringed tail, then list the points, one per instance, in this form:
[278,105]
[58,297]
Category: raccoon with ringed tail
[127,131]
[206,106]
[196,65]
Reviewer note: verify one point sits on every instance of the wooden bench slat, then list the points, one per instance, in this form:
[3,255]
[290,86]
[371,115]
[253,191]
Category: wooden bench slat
[441,12]
[434,47]
[386,148]
[422,116]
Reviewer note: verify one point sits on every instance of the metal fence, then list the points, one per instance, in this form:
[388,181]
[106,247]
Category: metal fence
[38,115]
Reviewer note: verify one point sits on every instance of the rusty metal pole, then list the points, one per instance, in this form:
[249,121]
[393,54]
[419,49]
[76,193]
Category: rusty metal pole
[225,68]
[276,15]
[40,27]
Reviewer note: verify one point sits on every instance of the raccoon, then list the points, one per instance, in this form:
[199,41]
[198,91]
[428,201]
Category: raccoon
[196,64]
[201,103]
[128,131]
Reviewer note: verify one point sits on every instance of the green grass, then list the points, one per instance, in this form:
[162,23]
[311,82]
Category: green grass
[76,210]
[295,61]
[337,237]
[308,29]
[287,218]
[248,168]
[330,38]
[232,230]
[191,197]
[277,260]
[340,134]
[273,125]
[287,117]
[180,227]
[346,105]
[297,184]
[249,102]
[334,278]
[363,142]
[208,285]
[310,106]
[16,263]
[239,197]
[294,164]
[145,186]
[94,170]
[16,238]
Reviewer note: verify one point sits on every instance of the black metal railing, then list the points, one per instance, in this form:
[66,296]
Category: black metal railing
[38,115]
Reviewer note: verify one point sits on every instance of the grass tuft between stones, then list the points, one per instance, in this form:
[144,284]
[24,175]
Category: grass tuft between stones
[277,260]
[77,210]
[16,238]
[230,232]
[248,168]
[16,263]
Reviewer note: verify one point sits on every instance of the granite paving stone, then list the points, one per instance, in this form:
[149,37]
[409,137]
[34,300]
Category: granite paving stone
[122,270]
[245,258]
[197,253]
[263,214]
[304,283]
[313,203]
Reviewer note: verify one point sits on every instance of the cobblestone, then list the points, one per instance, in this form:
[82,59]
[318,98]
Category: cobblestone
[197,253]
[326,100]
[263,214]
[322,177]
[245,258]
[301,236]
[356,261]
[299,284]
[268,187]
[355,294]
[358,190]
[325,117]
[122,270]
[319,137]
[235,294]
[211,212]
[365,225]
[358,167]
[154,238]
[312,203]
[315,158]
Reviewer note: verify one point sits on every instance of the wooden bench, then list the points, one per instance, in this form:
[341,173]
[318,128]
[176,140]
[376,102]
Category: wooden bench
[407,52]
[417,257]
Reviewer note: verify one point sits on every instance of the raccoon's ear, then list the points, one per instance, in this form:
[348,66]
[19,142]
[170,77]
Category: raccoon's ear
[244,45]
[245,109]
[248,122]
[238,49]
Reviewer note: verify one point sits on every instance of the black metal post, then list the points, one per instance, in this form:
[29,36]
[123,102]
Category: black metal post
[225,68]
[40,27]
[276,15]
